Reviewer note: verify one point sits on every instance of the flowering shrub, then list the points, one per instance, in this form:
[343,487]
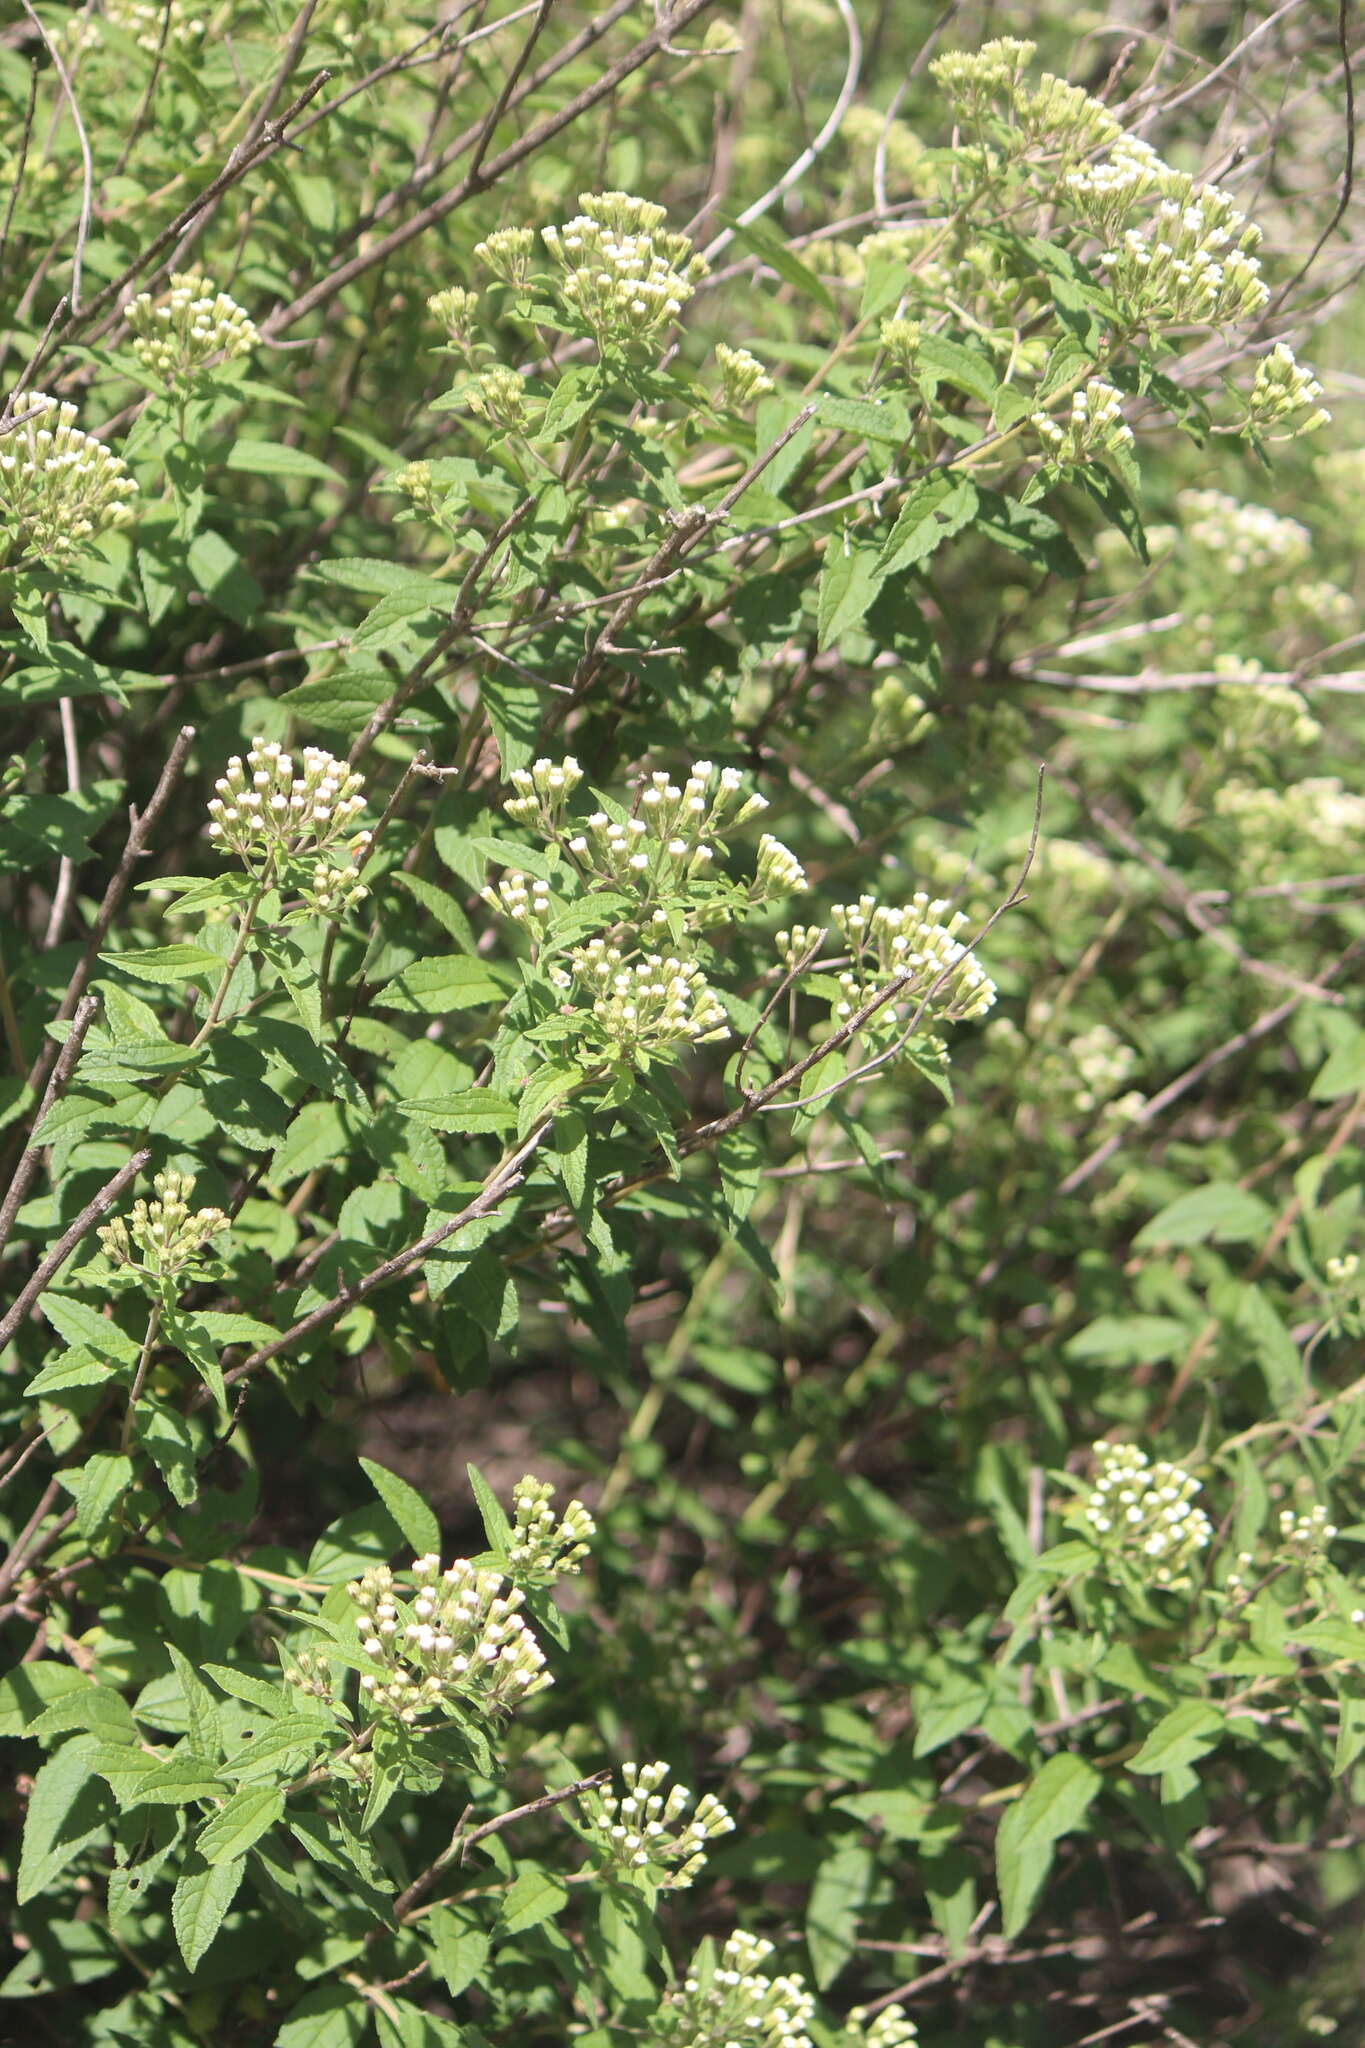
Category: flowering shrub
[680,848]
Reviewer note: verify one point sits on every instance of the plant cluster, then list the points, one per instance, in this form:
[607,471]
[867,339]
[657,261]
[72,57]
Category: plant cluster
[681,810]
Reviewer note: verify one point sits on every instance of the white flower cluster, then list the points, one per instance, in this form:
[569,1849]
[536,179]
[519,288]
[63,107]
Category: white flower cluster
[1099,1063]
[916,946]
[145,20]
[194,325]
[643,1006]
[1190,263]
[779,873]
[1254,717]
[639,1836]
[1305,1538]
[1145,1513]
[743,379]
[891,2029]
[1056,115]
[507,253]
[1094,427]
[1242,540]
[544,1548]
[1343,1274]
[542,792]
[460,1637]
[624,276]
[163,1237]
[670,839]
[268,815]
[455,309]
[525,899]
[1053,116]
[1107,193]
[498,396]
[310,1673]
[1282,390]
[59,487]
[730,1999]
[972,80]
[1318,816]
[900,715]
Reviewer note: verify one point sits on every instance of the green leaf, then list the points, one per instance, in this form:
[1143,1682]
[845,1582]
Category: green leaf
[534,1896]
[1221,1213]
[496,1526]
[315,1138]
[934,511]
[939,360]
[440,983]
[850,578]
[440,904]
[98,1487]
[1343,1073]
[169,966]
[84,1326]
[272,458]
[332,2016]
[199,1904]
[66,1811]
[344,702]
[469,1111]
[29,1690]
[416,1520]
[871,419]
[1350,1733]
[275,1700]
[224,579]
[410,2028]
[1188,1732]
[245,1817]
[833,1908]
[571,400]
[72,1369]
[1130,1340]
[279,1751]
[376,577]
[461,1950]
[763,240]
[1053,1803]
[181,1782]
[1332,1640]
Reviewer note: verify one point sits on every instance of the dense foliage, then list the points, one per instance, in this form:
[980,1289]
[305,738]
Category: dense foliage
[682,1318]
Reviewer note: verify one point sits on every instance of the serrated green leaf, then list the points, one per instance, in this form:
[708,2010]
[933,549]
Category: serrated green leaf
[1053,1803]
[199,1905]
[1221,1213]
[1189,1731]
[833,1908]
[244,1818]
[67,1810]
[441,982]
[412,1514]
[533,1896]
[468,1112]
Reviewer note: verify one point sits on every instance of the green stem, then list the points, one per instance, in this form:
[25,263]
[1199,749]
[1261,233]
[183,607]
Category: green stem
[144,1361]
[234,961]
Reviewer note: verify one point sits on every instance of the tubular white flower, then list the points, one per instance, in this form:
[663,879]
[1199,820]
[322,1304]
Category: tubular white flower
[470,1643]
[162,1237]
[637,1835]
[177,337]
[59,487]
[1144,1515]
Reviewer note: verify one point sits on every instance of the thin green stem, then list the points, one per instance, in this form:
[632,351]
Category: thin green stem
[234,961]
[144,1361]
